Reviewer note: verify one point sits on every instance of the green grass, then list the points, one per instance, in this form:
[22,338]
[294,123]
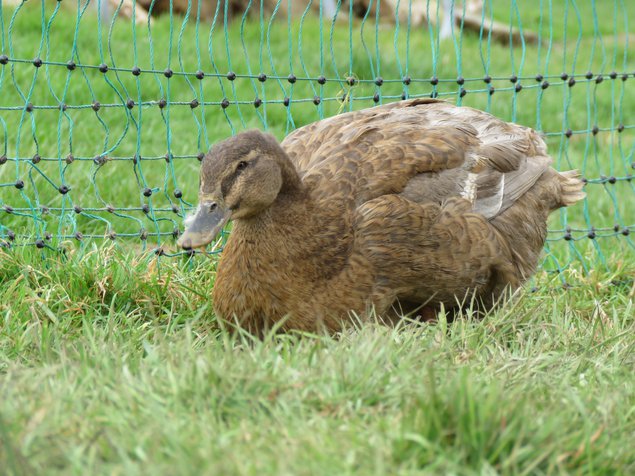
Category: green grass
[112,362]
[109,367]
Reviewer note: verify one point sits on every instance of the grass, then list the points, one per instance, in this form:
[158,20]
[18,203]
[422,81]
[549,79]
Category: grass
[112,362]
[109,367]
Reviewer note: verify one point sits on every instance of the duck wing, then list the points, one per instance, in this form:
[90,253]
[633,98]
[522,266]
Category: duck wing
[423,149]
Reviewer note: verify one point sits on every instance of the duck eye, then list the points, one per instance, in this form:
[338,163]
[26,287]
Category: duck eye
[212,206]
[241,165]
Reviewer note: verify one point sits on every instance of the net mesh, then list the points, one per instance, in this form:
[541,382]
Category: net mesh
[106,108]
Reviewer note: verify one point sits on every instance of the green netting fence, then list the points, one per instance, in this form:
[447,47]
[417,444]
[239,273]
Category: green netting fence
[106,108]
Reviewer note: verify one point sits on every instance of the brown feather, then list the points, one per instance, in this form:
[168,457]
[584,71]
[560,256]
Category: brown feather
[418,202]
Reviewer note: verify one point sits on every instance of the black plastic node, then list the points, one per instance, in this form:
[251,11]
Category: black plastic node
[77,209]
[379,80]
[588,75]
[194,103]
[321,80]
[178,193]
[406,80]
[434,94]
[167,157]
[99,160]
[351,81]
[292,79]
[571,82]
[257,103]
[620,128]
[69,159]
[584,180]
[10,235]
[513,79]
[168,73]
[262,77]
[612,180]
[145,208]
[286,102]
[460,81]
[112,235]
[613,75]
[539,78]
[147,192]
[434,80]
[135,159]
[176,232]
[36,159]
[200,156]
[37,62]
[199,74]
[143,235]
[103,67]
[231,75]
[19,184]
[39,243]
[3,159]
[376,98]
[4,59]
[110,209]
[175,208]
[567,236]
[224,104]
[564,76]
[591,235]
[62,106]
[136,71]
[159,252]
[616,227]
[70,65]
[487,79]
[626,231]
[316,100]
[599,79]
[462,92]
[569,133]
[162,103]
[8,209]
[48,236]
[79,236]
[96,106]
[29,107]
[63,189]
[492,90]
[44,210]
[544,84]
[129,103]
[595,130]
[518,87]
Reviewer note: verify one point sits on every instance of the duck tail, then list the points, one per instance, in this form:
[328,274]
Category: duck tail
[571,188]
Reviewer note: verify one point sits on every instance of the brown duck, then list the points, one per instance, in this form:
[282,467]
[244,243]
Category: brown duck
[390,209]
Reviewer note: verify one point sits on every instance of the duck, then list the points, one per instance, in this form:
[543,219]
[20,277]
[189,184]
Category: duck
[396,210]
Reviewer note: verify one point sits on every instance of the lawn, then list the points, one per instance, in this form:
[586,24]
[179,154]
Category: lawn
[111,360]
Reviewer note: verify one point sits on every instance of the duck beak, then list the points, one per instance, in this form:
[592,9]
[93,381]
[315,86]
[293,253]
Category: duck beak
[204,226]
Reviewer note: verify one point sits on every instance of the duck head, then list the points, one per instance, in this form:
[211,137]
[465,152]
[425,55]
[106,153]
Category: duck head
[240,178]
